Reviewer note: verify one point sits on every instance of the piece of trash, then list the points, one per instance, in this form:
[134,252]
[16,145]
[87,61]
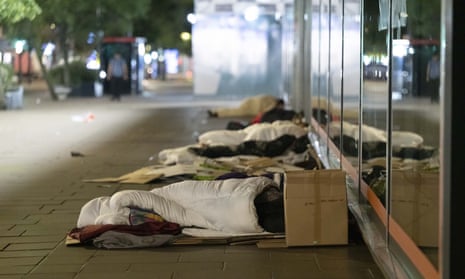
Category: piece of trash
[38,101]
[88,117]
[76,154]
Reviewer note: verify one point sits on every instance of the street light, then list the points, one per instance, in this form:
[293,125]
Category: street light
[191,18]
[185,36]
[251,13]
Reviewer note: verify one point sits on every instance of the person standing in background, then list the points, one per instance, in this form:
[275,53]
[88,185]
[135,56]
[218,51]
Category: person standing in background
[117,73]
[432,77]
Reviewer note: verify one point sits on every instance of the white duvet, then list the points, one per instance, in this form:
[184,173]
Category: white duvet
[373,134]
[257,132]
[224,205]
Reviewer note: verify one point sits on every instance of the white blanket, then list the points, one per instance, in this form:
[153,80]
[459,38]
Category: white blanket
[178,155]
[373,134]
[258,132]
[223,205]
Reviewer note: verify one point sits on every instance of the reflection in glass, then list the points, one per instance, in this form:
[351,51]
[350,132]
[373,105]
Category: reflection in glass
[415,109]
[383,112]
[401,115]
[236,56]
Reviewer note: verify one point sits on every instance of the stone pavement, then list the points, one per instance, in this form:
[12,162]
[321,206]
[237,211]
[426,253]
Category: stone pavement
[42,191]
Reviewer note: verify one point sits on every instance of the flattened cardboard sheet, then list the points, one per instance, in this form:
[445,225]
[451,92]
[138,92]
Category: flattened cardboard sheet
[147,174]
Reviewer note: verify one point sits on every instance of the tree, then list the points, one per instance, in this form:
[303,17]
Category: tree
[423,19]
[166,22]
[74,20]
[421,24]
[12,11]
[69,23]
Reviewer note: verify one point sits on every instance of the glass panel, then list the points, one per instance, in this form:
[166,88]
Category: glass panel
[415,122]
[372,128]
[298,77]
[288,52]
[344,86]
[351,78]
[349,93]
[374,101]
[334,60]
[315,61]
[375,96]
[316,46]
[321,23]
[351,63]
[237,56]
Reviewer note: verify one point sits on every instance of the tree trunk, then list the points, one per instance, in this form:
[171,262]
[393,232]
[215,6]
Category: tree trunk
[44,71]
[65,49]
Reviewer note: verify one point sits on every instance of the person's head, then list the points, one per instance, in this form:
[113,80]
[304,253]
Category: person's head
[280,104]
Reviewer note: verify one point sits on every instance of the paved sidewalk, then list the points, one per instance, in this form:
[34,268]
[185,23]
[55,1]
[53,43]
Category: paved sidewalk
[41,193]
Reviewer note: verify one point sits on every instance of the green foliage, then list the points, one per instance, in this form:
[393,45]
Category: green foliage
[6,78]
[78,18]
[161,22]
[117,17]
[12,11]
[72,21]
[166,22]
[422,22]
[78,74]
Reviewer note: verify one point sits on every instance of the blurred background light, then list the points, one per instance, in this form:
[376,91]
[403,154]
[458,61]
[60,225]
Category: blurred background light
[251,13]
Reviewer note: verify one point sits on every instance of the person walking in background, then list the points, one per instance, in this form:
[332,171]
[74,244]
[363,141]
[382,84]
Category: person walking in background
[117,73]
[432,77]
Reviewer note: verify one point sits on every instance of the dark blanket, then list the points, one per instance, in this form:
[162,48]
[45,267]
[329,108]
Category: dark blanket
[270,116]
[277,114]
[272,148]
[376,149]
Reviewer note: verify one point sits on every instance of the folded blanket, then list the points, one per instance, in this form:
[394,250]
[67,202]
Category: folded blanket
[150,228]
[118,240]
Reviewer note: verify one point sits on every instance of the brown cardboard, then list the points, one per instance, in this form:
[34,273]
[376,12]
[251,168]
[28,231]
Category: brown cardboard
[316,212]
[415,205]
[147,174]
[272,243]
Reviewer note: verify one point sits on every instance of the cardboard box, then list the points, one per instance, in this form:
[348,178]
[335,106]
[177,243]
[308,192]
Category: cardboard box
[415,205]
[316,212]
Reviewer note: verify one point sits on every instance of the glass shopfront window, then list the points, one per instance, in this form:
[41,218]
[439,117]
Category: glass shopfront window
[400,123]
[371,74]
[415,119]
